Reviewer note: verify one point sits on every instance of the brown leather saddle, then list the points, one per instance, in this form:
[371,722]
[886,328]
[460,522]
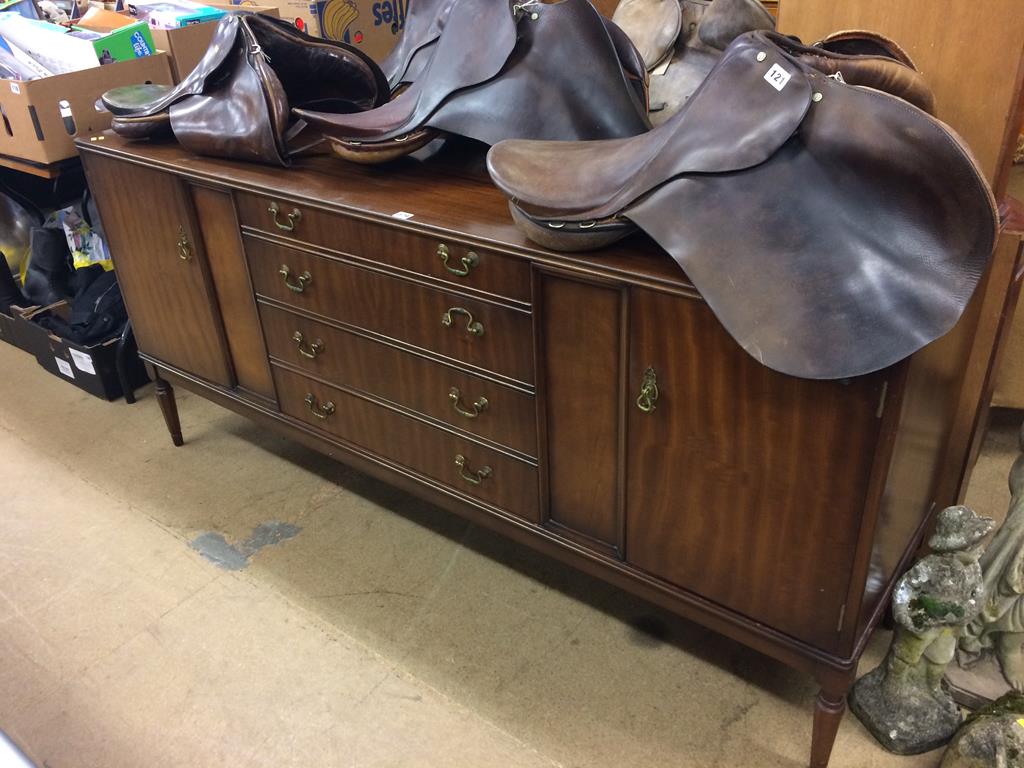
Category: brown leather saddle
[491,71]
[236,102]
[833,229]
[681,40]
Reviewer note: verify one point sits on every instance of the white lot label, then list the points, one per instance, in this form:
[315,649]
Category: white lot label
[65,367]
[777,77]
[15,88]
[403,215]
[83,362]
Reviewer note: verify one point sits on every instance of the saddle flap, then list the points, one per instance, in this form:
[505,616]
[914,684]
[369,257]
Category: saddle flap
[461,58]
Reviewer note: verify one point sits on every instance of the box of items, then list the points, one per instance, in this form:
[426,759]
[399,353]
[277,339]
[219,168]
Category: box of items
[92,368]
[52,49]
[186,45]
[9,328]
[40,119]
[172,14]
[373,26]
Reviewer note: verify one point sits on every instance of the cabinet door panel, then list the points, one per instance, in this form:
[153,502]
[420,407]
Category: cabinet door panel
[161,267]
[744,485]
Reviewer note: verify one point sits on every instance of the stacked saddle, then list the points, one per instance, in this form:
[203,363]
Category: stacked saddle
[237,102]
[833,229]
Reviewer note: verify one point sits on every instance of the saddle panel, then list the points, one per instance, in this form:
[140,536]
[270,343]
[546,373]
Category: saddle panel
[652,25]
[547,89]
[454,65]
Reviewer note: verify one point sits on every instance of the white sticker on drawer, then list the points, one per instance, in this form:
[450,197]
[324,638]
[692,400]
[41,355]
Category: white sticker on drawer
[15,88]
[82,361]
[65,367]
[403,215]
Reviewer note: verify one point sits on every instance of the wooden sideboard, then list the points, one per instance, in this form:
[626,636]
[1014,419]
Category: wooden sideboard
[589,405]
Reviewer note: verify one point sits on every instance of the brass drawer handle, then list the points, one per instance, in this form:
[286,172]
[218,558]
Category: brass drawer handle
[300,284]
[316,348]
[479,405]
[292,217]
[468,261]
[473,326]
[320,411]
[473,478]
[184,247]
[648,398]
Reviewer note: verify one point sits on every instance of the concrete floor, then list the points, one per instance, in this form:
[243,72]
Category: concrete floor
[385,632]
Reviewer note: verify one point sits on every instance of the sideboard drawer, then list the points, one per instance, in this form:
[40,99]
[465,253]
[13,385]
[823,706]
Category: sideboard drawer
[455,461]
[437,257]
[479,333]
[471,403]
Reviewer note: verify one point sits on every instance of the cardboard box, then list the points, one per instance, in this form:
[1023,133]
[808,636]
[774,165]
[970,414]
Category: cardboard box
[188,44]
[9,331]
[61,51]
[173,14]
[301,13]
[40,119]
[92,368]
[371,25]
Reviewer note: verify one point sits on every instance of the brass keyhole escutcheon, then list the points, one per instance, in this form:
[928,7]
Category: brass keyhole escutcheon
[473,478]
[320,411]
[184,247]
[292,217]
[647,401]
[479,405]
[301,282]
[311,350]
[468,261]
[472,326]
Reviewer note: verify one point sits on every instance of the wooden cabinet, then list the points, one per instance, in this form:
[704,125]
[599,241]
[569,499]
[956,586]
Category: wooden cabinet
[165,276]
[587,404]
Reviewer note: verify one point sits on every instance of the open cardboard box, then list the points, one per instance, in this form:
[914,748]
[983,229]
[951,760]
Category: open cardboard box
[92,368]
[186,45]
[40,119]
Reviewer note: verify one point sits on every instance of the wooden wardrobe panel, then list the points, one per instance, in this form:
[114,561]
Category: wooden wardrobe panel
[161,267]
[581,331]
[761,477]
[216,214]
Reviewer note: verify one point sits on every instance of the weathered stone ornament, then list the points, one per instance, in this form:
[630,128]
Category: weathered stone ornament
[993,737]
[999,627]
[904,702]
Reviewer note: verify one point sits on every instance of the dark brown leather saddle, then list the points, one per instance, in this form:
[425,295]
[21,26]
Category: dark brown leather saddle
[236,102]
[833,229]
[492,71]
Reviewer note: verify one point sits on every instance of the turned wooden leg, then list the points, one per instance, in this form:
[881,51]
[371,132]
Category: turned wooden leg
[828,711]
[165,396]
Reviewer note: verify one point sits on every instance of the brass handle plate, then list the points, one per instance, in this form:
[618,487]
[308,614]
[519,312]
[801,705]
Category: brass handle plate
[648,398]
[474,327]
[311,351]
[300,283]
[292,217]
[184,247]
[473,478]
[479,405]
[320,411]
[468,261]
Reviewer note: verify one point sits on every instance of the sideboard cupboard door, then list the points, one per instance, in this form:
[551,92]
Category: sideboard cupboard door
[744,485]
[157,251]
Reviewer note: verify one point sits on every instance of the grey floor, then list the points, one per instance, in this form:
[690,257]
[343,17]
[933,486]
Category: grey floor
[370,629]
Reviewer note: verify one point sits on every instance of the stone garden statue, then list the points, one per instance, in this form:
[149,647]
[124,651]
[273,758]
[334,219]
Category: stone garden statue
[1000,625]
[992,737]
[904,702]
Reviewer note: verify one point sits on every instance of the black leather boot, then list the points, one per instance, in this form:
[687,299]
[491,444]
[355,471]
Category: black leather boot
[10,293]
[49,268]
